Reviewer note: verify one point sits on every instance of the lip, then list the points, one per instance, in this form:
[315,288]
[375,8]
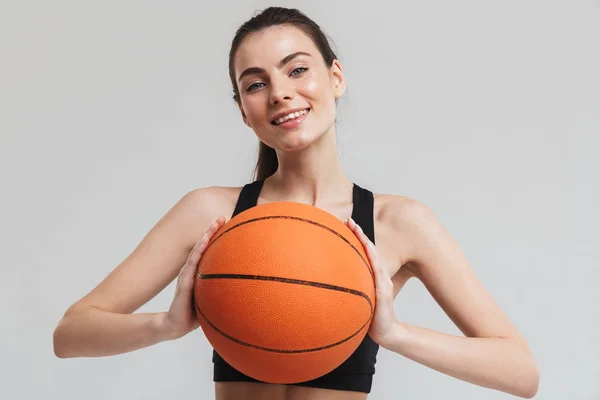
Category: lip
[291,110]
[292,124]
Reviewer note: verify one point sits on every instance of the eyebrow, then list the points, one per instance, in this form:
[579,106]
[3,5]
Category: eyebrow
[285,60]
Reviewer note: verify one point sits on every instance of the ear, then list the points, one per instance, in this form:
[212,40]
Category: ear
[337,79]
[244,118]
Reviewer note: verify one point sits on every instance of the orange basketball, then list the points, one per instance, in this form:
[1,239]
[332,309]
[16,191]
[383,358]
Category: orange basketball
[284,292]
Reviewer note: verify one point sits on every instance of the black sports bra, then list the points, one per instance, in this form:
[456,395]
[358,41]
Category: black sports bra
[356,373]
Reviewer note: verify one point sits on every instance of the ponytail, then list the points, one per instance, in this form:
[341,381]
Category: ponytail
[267,162]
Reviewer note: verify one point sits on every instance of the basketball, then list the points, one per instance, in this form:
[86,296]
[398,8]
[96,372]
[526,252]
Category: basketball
[284,292]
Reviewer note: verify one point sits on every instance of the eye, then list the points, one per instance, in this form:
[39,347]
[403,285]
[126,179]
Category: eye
[301,69]
[253,86]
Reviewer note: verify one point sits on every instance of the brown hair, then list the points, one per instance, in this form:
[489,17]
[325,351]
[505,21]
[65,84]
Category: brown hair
[267,162]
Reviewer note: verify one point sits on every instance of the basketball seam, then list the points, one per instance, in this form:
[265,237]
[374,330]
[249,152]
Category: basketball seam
[297,219]
[286,280]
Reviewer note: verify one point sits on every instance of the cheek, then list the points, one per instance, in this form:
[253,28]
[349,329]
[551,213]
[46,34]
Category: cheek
[319,91]
[312,88]
[253,109]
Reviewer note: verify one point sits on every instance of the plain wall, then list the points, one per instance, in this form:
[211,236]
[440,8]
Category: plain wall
[486,111]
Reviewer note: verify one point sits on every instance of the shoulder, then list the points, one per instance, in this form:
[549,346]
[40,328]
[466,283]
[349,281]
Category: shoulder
[402,212]
[412,224]
[211,199]
[198,208]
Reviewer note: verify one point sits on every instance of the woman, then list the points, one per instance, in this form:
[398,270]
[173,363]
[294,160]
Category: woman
[286,82]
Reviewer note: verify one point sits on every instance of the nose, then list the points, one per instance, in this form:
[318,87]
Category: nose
[281,91]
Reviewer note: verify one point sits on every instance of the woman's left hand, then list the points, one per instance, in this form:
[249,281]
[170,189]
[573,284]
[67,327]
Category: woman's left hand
[385,325]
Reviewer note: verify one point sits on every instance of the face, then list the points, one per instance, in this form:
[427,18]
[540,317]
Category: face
[287,93]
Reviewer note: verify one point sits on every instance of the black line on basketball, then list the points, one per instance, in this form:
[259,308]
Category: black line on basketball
[288,280]
[279,350]
[297,219]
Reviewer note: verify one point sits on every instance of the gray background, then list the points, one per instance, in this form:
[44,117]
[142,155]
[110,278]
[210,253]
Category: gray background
[486,111]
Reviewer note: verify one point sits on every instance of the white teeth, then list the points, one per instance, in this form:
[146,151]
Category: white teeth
[290,116]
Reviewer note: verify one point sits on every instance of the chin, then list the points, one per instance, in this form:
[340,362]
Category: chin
[295,141]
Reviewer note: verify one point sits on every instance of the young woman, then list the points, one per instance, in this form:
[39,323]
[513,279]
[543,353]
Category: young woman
[286,81]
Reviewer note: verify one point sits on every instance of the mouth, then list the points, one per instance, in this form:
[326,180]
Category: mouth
[290,117]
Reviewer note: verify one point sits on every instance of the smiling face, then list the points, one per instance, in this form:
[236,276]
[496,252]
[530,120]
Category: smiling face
[287,93]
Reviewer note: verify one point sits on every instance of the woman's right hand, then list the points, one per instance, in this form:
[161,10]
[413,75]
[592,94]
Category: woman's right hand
[181,317]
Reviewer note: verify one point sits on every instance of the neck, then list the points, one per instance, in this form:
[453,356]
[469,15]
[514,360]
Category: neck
[313,175]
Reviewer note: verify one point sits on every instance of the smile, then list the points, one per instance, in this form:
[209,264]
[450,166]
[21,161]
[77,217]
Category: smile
[290,116]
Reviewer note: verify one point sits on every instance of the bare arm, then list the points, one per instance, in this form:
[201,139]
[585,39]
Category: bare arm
[86,331]
[102,323]
[493,352]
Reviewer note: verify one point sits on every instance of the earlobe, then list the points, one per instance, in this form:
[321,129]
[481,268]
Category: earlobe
[246,122]
[244,118]
[340,87]
[339,82]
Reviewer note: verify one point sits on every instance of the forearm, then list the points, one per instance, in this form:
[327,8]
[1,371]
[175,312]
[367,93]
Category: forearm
[495,363]
[96,333]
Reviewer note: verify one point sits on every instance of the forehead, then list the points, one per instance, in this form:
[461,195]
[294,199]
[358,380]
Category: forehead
[266,48]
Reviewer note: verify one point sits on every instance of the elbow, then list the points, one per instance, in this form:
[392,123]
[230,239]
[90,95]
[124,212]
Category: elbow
[58,349]
[533,384]
[530,381]
[529,391]
[62,337]
[58,341]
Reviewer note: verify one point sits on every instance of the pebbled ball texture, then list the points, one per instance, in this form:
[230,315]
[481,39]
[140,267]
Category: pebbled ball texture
[284,292]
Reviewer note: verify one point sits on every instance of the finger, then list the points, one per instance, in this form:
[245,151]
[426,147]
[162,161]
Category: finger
[191,266]
[383,282]
[380,272]
[350,223]
[194,255]
[368,246]
[214,227]
[359,234]
[197,250]
[192,260]
[189,274]
[200,246]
